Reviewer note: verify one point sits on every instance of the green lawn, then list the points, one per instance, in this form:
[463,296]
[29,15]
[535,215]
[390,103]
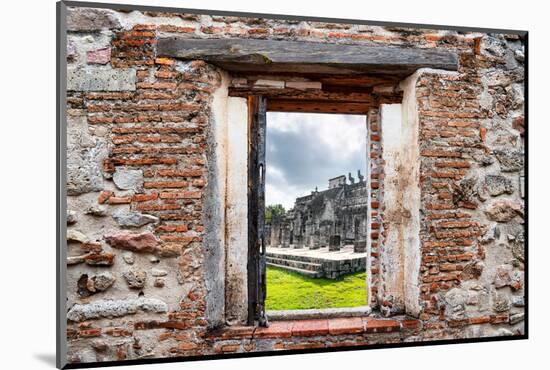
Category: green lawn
[291,291]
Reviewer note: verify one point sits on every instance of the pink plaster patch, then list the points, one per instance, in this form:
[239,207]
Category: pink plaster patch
[99,56]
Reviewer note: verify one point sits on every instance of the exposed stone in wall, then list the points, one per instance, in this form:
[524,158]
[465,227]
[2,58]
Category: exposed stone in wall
[115,308]
[90,19]
[139,142]
[101,79]
[471,156]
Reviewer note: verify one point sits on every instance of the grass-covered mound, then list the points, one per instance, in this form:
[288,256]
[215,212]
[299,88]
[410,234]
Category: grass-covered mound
[288,290]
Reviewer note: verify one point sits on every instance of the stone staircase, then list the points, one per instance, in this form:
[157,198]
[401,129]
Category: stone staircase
[294,263]
[317,263]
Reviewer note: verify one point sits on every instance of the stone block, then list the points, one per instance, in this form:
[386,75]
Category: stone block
[134,219]
[101,79]
[126,179]
[90,19]
[360,246]
[115,308]
[510,160]
[496,185]
[85,156]
[334,243]
[504,210]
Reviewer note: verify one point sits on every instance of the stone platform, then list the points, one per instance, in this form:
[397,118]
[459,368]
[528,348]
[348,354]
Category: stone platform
[317,262]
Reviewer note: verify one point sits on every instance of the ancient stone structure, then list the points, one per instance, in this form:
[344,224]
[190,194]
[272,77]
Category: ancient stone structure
[316,263]
[156,242]
[329,218]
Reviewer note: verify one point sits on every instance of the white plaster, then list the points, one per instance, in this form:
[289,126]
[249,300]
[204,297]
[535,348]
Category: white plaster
[129,20]
[412,199]
[215,195]
[391,260]
[237,211]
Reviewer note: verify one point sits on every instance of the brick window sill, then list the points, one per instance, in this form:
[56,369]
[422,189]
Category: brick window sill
[318,327]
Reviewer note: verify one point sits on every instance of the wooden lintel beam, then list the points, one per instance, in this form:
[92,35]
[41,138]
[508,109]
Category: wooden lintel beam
[312,106]
[277,56]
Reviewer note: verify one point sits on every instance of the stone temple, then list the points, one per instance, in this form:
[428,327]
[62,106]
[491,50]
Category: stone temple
[330,224]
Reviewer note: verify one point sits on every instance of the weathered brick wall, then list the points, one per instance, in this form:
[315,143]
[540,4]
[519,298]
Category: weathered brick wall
[138,154]
[375,184]
[472,157]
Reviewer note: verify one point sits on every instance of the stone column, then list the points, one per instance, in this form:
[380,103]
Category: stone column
[334,243]
[359,246]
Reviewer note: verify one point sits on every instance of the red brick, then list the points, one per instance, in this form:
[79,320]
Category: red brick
[454,164]
[479,320]
[499,319]
[410,324]
[276,329]
[181,195]
[120,200]
[166,184]
[144,197]
[118,332]
[104,196]
[352,325]
[482,133]
[381,326]
[165,61]
[457,224]
[440,153]
[186,346]
[89,333]
[172,228]
[157,207]
[310,327]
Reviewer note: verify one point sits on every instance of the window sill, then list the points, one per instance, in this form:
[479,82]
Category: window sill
[318,327]
[325,313]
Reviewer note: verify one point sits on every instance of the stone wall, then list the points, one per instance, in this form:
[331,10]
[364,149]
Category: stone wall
[471,147]
[141,170]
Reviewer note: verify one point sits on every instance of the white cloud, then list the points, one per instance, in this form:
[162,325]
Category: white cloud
[304,150]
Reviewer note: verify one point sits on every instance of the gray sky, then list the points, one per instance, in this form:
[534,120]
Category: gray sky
[304,150]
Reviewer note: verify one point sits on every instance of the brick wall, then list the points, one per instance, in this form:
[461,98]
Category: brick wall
[138,156]
[375,181]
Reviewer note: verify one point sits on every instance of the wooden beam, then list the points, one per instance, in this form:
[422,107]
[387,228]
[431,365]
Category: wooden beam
[318,106]
[336,97]
[277,56]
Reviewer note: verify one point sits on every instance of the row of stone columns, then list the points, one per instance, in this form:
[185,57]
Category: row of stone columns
[334,244]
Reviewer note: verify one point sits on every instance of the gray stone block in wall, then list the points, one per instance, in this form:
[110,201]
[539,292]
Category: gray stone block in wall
[510,160]
[90,19]
[134,219]
[126,179]
[85,155]
[101,79]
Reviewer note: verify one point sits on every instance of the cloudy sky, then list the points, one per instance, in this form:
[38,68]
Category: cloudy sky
[304,150]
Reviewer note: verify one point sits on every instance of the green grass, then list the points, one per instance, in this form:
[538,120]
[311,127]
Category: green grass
[288,290]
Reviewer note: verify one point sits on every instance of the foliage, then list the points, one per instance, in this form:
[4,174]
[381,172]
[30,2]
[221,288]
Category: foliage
[288,290]
[274,210]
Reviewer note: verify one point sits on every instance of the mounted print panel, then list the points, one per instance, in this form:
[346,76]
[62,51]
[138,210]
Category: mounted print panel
[252,184]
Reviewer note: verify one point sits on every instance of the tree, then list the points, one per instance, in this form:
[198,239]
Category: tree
[274,210]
